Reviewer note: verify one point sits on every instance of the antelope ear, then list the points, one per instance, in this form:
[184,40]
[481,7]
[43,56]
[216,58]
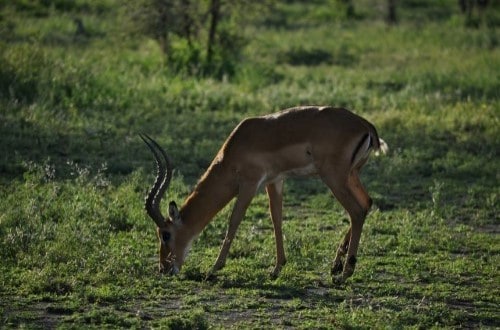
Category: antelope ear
[173,212]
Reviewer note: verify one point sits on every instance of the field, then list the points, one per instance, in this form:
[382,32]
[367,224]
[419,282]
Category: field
[78,251]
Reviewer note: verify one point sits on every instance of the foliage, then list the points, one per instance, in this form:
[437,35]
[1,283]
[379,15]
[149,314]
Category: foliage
[77,249]
[199,38]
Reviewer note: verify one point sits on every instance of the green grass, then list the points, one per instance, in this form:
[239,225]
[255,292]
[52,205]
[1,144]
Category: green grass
[77,249]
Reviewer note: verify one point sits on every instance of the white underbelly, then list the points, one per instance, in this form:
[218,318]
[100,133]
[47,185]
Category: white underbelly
[307,170]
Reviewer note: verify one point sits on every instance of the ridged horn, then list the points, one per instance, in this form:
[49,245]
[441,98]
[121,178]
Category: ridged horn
[162,181]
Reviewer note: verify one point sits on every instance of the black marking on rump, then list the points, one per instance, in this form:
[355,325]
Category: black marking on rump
[358,147]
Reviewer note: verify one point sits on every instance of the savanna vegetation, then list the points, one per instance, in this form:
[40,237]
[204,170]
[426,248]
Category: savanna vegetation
[80,79]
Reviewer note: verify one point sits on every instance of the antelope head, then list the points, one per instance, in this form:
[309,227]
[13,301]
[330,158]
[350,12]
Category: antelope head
[172,248]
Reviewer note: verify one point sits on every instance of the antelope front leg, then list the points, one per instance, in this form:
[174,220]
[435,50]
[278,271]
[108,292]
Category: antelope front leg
[338,263]
[240,207]
[275,194]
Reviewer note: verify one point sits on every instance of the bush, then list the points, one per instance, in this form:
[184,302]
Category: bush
[22,67]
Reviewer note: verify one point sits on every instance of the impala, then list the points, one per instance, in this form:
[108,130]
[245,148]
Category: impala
[332,143]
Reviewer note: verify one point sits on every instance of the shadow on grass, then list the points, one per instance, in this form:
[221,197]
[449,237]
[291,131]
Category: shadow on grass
[24,142]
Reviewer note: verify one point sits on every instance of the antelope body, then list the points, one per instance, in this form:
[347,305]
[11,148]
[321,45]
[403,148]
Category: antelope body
[332,143]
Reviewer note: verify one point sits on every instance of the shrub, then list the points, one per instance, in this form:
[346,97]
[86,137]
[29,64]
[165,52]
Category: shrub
[22,67]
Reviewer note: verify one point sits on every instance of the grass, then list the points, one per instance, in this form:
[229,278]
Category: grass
[77,249]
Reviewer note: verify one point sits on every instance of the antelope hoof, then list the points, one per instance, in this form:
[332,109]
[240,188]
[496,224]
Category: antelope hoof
[210,277]
[347,272]
[349,267]
[337,268]
[212,274]
[338,279]
[275,273]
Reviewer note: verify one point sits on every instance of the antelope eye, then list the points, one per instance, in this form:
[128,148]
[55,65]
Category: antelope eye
[165,236]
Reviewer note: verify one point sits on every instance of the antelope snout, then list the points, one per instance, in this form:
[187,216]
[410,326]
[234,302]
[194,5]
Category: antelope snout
[170,270]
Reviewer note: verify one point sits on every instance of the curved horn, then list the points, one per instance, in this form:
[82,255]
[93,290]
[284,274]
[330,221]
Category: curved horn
[162,181]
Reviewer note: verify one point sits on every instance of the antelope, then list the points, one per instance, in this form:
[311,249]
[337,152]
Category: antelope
[332,143]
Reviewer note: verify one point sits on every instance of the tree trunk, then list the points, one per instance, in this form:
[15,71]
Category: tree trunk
[188,23]
[161,28]
[391,12]
[214,21]
[349,8]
